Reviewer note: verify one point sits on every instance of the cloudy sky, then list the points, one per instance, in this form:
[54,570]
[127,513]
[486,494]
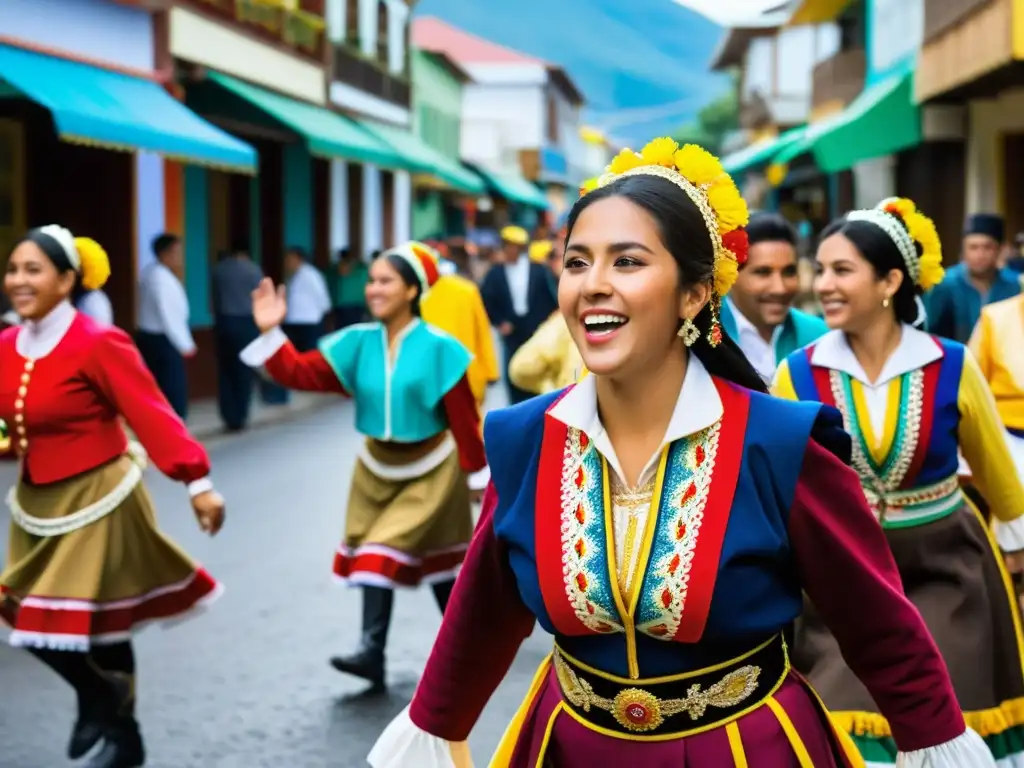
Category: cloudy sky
[728,11]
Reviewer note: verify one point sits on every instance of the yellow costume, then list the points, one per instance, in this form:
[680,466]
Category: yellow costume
[998,345]
[454,305]
[548,361]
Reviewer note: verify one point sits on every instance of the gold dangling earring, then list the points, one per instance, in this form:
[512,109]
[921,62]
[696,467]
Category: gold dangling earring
[885,302]
[688,332]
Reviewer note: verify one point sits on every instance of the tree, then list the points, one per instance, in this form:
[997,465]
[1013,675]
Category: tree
[714,122]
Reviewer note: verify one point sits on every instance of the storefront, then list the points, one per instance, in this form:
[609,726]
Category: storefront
[973,59]
[84,125]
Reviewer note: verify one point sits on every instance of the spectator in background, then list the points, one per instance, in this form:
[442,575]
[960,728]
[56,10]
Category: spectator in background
[235,277]
[351,276]
[758,313]
[164,337]
[519,296]
[954,305]
[309,301]
[1015,261]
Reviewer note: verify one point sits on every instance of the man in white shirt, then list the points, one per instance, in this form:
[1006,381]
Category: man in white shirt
[164,337]
[309,300]
[758,313]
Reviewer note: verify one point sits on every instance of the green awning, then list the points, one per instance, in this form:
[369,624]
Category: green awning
[763,152]
[427,159]
[881,121]
[116,111]
[327,134]
[515,189]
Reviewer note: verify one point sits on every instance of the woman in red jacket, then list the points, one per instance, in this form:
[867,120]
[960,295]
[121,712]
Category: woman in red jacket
[86,563]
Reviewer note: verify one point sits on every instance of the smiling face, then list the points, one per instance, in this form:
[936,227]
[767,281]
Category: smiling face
[620,292]
[33,283]
[851,292]
[767,284]
[387,295]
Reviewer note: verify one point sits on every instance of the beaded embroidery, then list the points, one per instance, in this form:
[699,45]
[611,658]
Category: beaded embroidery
[664,589]
[881,481]
[584,559]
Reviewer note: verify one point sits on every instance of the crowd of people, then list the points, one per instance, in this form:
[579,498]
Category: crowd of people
[761,537]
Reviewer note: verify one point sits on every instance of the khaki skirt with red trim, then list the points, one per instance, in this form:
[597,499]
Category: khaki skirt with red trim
[404,532]
[952,571]
[98,584]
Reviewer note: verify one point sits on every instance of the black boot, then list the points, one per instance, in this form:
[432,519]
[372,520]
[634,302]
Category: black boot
[97,714]
[98,697]
[442,593]
[368,661]
[123,747]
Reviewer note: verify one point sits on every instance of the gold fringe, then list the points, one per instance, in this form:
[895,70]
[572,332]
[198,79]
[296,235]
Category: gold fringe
[84,141]
[987,722]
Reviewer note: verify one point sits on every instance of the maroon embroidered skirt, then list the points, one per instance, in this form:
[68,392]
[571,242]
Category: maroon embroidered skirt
[789,730]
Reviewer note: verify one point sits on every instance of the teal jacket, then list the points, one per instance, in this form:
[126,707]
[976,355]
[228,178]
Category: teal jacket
[798,330]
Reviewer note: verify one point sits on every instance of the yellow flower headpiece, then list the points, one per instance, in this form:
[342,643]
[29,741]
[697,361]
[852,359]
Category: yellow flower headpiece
[95,264]
[926,268]
[700,175]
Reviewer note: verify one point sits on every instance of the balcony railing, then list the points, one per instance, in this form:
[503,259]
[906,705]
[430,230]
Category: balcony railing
[839,79]
[300,28]
[940,15]
[370,76]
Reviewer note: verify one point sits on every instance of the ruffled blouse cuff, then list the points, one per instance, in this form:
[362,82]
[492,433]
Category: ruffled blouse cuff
[965,751]
[478,480]
[403,745]
[1009,535]
[263,348]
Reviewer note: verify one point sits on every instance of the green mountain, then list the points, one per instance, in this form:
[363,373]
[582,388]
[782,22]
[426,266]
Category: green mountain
[642,64]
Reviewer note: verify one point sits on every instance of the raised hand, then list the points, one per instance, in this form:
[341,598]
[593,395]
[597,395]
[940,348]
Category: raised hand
[268,305]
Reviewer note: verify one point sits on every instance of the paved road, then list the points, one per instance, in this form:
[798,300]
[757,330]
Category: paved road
[247,684]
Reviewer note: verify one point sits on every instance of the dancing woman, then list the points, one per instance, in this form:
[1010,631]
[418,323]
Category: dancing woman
[86,562]
[661,518]
[408,519]
[910,401]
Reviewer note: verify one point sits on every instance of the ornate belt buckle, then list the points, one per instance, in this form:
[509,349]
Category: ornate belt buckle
[637,710]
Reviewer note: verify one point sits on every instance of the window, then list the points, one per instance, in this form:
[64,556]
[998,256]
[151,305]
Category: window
[851,28]
[382,32]
[12,185]
[552,118]
[352,21]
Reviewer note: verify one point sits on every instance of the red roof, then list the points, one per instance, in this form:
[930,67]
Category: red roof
[432,34]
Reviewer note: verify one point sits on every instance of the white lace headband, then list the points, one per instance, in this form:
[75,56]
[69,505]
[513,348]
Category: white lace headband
[897,233]
[66,241]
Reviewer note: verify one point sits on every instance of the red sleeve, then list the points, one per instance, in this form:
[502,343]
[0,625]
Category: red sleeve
[123,378]
[308,371]
[849,574]
[464,420]
[484,625]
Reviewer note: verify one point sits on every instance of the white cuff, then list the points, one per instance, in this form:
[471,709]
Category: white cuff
[1009,535]
[263,348]
[478,480]
[404,745]
[965,751]
[202,485]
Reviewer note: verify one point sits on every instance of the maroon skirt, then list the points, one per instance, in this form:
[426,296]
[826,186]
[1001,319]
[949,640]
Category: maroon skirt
[789,730]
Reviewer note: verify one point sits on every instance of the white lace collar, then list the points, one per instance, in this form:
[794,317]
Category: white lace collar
[698,407]
[38,338]
[915,350]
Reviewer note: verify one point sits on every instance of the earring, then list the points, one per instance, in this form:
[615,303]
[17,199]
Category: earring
[688,332]
[885,302]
